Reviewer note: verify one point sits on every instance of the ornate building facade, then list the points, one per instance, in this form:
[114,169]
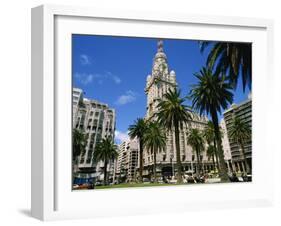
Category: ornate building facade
[157,85]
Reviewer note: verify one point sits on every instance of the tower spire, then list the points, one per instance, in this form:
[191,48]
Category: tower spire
[160,46]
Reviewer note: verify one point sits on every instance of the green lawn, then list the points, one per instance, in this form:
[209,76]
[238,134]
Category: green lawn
[133,185]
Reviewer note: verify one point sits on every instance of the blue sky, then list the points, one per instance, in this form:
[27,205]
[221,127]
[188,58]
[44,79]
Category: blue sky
[113,70]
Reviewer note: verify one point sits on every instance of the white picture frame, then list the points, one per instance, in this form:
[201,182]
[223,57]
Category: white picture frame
[52,197]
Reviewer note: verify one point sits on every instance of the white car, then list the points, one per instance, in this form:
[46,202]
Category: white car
[172,181]
[75,186]
[213,180]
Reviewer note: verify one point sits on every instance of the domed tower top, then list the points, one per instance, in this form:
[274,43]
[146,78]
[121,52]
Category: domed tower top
[160,51]
[160,64]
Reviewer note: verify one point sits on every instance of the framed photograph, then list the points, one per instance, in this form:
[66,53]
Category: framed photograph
[137,112]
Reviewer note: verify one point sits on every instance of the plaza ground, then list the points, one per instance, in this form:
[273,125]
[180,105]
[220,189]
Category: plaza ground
[136,185]
[133,185]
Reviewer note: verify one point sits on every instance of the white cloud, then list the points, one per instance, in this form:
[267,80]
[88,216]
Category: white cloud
[121,137]
[116,79]
[126,98]
[85,59]
[86,78]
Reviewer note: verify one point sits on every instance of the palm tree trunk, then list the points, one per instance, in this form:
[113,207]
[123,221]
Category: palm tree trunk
[201,167]
[248,170]
[213,158]
[216,155]
[223,170]
[198,163]
[140,160]
[105,173]
[154,158]
[179,166]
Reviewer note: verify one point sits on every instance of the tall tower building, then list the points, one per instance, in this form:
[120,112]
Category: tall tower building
[158,84]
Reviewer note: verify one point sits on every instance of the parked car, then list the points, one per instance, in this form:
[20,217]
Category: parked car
[213,180]
[249,176]
[83,186]
[173,181]
[98,183]
[233,178]
[145,180]
[75,186]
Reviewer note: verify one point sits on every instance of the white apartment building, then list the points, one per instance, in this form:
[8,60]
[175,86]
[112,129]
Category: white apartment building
[97,121]
[226,146]
[157,84]
[127,161]
[77,98]
[244,112]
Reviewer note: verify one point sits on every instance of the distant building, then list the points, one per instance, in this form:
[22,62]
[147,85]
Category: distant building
[244,112]
[226,146]
[127,161]
[97,121]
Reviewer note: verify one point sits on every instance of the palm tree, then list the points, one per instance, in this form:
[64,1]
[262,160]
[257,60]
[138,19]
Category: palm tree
[155,140]
[240,132]
[196,141]
[172,114]
[210,95]
[105,151]
[211,153]
[137,130]
[79,142]
[233,59]
[209,135]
